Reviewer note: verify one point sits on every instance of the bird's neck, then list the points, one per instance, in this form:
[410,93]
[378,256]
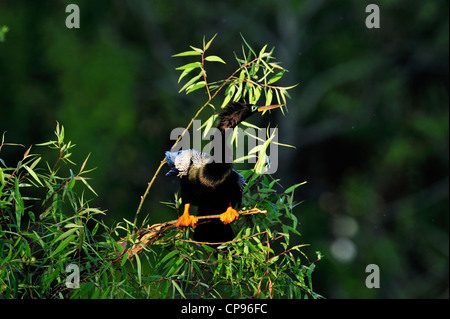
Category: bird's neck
[222,158]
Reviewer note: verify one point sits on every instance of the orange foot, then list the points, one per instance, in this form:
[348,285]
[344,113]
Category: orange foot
[186,219]
[229,216]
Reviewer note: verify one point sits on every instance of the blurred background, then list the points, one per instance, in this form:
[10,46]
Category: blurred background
[369,118]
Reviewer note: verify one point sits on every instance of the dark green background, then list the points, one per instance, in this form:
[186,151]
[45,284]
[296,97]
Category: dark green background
[369,117]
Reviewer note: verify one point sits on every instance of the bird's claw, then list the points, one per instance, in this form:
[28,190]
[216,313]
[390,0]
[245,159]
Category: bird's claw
[186,219]
[229,216]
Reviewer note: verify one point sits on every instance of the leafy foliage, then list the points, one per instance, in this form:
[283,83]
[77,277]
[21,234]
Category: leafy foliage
[47,224]
[44,224]
[369,120]
[260,262]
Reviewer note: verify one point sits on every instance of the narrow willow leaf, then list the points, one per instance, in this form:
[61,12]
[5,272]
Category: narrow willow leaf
[276,77]
[293,187]
[19,204]
[61,135]
[187,53]
[238,94]
[257,149]
[228,95]
[191,82]
[285,145]
[195,86]
[2,177]
[184,73]
[256,94]
[248,45]
[276,65]
[66,234]
[139,268]
[86,183]
[62,245]
[269,95]
[47,143]
[278,96]
[178,288]
[33,165]
[168,256]
[263,50]
[206,47]
[196,49]
[84,163]
[250,125]
[243,158]
[214,58]
[192,65]
[33,174]
[208,124]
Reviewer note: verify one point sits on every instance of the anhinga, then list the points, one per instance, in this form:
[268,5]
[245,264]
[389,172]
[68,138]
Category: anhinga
[213,186]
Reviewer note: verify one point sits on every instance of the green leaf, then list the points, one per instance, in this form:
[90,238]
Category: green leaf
[184,73]
[262,52]
[62,245]
[178,288]
[84,164]
[256,94]
[214,58]
[72,225]
[250,125]
[32,166]
[248,45]
[206,47]
[192,65]
[46,143]
[269,95]
[61,135]
[208,124]
[228,95]
[191,82]
[196,49]
[187,53]
[83,179]
[2,177]
[139,268]
[276,77]
[66,234]
[33,174]
[168,256]
[293,187]
[19,205]
[195,86]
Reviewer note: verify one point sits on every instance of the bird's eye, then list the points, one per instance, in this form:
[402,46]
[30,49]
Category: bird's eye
[254,108]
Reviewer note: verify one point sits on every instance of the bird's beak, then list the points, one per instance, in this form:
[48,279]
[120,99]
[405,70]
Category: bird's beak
[268,107]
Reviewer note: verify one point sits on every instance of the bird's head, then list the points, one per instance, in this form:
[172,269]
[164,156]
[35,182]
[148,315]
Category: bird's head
[236,112]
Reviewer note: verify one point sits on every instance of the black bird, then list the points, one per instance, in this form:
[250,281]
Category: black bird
[213,186]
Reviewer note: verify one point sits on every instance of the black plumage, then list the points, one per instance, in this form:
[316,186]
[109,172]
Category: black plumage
[214,187]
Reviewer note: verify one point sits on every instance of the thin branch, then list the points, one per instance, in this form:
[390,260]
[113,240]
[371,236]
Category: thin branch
[150,234]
